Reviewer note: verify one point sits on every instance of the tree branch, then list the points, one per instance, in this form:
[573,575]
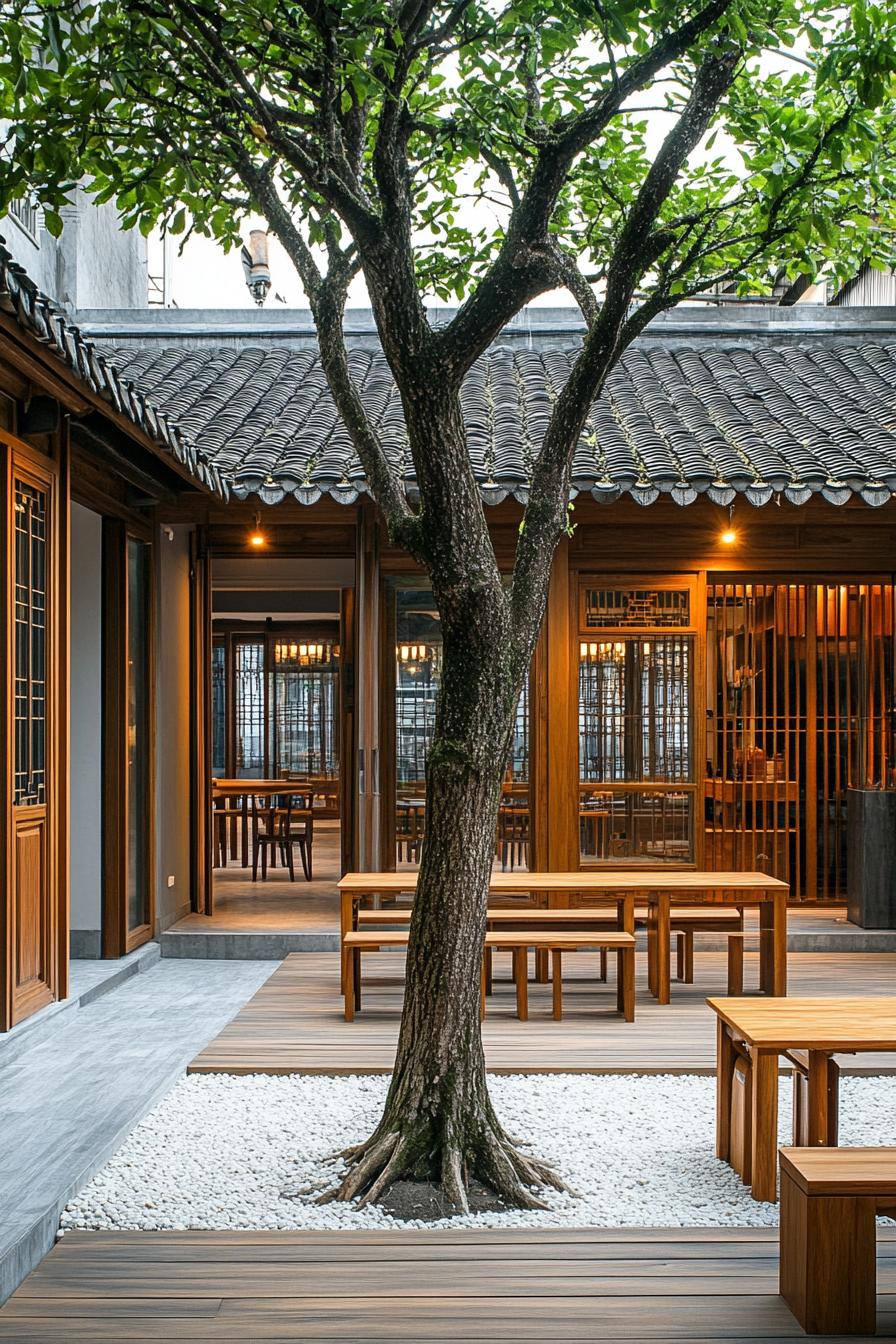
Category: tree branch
[640,244]
[519,273]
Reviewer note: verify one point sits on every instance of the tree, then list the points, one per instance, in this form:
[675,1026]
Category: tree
[633,152]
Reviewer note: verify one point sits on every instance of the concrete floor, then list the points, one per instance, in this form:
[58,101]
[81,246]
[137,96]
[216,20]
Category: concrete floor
[68,1100]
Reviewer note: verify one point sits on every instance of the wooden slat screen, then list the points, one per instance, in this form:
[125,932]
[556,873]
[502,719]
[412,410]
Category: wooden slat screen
[799,707]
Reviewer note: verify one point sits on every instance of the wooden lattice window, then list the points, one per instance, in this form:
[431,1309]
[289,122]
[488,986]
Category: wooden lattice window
[30,639]
[644,608]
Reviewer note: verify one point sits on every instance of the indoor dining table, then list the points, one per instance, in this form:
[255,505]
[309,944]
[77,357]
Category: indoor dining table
[259,788]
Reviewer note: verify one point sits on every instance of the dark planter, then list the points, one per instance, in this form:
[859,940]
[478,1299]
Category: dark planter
[871,858]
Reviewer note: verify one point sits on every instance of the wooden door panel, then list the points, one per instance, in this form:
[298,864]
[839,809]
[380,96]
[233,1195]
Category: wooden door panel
[33,929]
[33,934]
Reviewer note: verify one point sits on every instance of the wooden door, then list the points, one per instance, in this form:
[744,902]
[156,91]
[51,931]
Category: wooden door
[128,738]
[30,724]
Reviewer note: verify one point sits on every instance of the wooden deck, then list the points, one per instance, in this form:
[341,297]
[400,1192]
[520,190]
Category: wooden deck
[701,1285]
[294,1024]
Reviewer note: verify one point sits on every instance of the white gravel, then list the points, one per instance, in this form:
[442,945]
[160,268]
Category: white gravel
[253,1152]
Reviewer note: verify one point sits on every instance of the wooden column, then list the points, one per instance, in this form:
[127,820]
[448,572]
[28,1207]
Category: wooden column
[366,780]
[200,724]
[554,728]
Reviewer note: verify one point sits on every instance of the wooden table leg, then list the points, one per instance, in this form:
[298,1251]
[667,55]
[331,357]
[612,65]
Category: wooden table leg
[483,983]
[348,982]
[625,982]
[557,975]
[773,944]
[821,1100]
[779,955]
[347,916]
[651,948]
[541,966]
[663,948]
[764,1163]
[725,1057]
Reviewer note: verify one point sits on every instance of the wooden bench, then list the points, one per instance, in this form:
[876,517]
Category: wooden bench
[556,942]
[830,1198]
[353,944]
[503,917]
[685,921]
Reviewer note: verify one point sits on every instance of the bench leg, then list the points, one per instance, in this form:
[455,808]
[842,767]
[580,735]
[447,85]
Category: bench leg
[557,976]
[684,956]
[541,966]
[603,964]
[735,964]
[828,1261]
[483,983]
[488,967]
[625,982]
[521,980]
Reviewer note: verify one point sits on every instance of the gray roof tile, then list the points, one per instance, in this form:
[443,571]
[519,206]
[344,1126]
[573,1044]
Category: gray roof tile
[723,420]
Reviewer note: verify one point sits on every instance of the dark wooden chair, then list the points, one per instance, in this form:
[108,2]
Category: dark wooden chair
[228,826]
[410,822]
[299,830]
[513,837]
[277,830]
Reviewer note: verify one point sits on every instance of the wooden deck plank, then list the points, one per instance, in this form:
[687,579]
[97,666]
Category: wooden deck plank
[494,1285]
[294,1024]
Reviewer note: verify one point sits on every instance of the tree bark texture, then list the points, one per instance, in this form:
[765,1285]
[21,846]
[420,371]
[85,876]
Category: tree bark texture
[438,1123]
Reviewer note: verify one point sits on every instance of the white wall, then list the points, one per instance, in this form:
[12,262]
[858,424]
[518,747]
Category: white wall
[86,732]
[173,727]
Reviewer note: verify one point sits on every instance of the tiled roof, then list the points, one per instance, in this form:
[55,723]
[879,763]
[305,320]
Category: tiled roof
[800,419]
[42,319]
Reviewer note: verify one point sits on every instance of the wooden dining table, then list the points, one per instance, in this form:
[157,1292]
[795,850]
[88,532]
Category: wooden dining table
[771,1027]
[684,887]
[556,888]
[261,788]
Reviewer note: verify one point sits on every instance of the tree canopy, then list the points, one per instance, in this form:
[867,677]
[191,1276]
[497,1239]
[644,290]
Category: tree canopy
[633,152]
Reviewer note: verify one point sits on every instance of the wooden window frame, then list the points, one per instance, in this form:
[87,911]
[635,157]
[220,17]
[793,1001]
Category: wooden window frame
[118,939]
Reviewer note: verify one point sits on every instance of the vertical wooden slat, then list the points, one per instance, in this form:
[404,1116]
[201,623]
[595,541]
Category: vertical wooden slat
[810,721]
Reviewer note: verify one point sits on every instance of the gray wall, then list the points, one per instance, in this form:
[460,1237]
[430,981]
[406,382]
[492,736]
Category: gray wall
[92,265]
[86,732]
[173,727]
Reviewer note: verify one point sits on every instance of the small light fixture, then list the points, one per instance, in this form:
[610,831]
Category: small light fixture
[256,537]
[729,536]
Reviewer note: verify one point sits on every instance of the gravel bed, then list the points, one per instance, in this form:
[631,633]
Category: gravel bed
[228,1152]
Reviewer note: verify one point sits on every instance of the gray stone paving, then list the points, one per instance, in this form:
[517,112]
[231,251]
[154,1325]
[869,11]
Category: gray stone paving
[67,1102]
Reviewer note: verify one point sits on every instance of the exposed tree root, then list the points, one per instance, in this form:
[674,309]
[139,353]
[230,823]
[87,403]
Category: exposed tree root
[407,1152]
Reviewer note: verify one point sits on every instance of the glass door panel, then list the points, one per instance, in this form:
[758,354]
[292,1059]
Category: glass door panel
[636,724]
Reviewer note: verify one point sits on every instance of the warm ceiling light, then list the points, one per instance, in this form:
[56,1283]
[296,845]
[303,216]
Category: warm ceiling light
[729,536]
[256,536]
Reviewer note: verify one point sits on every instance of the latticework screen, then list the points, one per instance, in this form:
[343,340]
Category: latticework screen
[801,707]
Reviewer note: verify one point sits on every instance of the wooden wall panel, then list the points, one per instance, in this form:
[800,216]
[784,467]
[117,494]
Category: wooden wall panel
[32,915]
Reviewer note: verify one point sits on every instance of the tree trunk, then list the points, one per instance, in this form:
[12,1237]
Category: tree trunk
[438,1124]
